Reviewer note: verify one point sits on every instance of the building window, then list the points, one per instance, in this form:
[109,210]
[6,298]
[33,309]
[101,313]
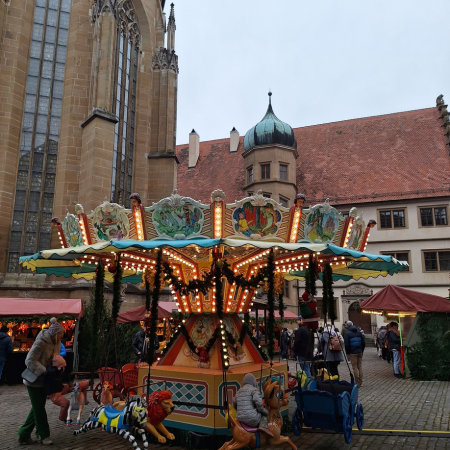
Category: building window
[286,288]
[400,256]
[35,186]
[283,172]
[283,202]
[345,214]
[433,216]
[319,308]
[265,171]
[392,219]
[437,261]
[250,175]
[126,68]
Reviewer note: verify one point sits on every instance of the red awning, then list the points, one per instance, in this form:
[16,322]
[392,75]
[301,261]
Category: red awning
[41,307]
[395,298]
[137,314]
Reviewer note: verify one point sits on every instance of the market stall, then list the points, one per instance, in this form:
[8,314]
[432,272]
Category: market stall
[216,258]
[409,308]
[26,317]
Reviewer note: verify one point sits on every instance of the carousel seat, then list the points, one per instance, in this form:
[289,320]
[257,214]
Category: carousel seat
[248,428]
[111,412]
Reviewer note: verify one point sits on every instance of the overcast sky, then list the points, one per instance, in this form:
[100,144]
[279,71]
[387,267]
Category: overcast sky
[324,61]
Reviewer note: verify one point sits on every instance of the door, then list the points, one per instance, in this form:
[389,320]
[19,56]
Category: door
[361,320]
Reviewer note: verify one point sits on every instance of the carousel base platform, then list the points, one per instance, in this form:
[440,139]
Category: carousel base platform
[205,387]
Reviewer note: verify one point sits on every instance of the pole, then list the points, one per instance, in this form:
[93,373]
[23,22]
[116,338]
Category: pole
[401,343]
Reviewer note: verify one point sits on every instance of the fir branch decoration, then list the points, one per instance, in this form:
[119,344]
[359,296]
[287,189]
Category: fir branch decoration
[271,304]
[307,282]
[116,290]
[281,306]
[154,308]
[219,291]
[98,308]
[328,287]
[189,341]
[325,299]
[147,295]
[312,275]
[247,320]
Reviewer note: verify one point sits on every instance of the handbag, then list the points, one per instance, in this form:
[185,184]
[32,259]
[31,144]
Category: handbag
[29,376]
[334,343]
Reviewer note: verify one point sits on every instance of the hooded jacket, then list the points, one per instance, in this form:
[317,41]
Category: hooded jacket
[5,346]
[248,403]
[40,356]
[354,341]
[303,342]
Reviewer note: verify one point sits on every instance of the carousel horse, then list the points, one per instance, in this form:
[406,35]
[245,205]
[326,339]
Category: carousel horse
[274,396]
[77,402]
[132,418]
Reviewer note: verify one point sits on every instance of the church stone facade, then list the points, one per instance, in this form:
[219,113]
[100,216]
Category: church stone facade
[88,107]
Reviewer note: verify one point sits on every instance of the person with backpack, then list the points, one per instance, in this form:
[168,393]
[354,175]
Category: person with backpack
[331,350]
[355,344]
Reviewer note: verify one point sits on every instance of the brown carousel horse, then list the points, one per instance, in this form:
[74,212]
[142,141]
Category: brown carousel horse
[274,397]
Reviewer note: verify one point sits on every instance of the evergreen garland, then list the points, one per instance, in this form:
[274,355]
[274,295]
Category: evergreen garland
[330,293]
[271,304]
[312,275]
[188,339]
[116,290]
[281,306]
[219,291]
[325,300]
[28,320]
[99,300]
[147,295]
[307,282]
[154,309]
[247,320]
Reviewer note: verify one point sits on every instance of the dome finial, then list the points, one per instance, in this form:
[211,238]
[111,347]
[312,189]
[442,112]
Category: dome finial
[270,96]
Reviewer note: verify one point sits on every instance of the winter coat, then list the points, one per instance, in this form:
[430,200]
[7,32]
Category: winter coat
[354,341]
[303,342]
[249,405]
[393,341]
[53,380]
[5,346]
[62,351]
[139,343]
[285,340]
[382,336]
[40,356]
[329,355]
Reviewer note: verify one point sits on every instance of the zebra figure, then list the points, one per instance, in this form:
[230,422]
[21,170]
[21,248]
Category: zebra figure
[125,422]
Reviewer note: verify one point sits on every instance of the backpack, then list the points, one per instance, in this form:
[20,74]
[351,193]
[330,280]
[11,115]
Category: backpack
[334,344]
[382,336]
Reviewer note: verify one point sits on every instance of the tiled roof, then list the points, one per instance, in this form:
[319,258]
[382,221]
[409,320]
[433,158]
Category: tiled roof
[389,157]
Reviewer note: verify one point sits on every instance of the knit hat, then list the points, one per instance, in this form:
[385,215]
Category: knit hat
[249,379]
[55,327]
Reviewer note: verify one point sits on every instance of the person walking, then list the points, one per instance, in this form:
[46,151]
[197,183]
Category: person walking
[47,343]
[285,341]
[381,342]
[303,346]
[5,347]
[394,346]
[332,357]
[354,346]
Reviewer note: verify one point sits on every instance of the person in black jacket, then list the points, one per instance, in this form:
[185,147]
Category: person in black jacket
[354,347]
[303,346]
[5,347]
[140,344]
[394,344]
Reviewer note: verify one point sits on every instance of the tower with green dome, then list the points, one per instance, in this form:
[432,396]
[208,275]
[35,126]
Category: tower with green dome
[270,151]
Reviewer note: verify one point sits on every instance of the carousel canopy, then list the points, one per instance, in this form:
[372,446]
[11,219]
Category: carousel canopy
[137,314]
[395,298]
[40,307]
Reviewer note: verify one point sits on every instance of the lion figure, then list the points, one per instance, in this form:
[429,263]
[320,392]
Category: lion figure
[159,407]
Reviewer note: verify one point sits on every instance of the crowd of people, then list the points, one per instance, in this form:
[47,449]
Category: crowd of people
[389,346]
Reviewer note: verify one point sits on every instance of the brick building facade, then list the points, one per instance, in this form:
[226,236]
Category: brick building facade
[88,110]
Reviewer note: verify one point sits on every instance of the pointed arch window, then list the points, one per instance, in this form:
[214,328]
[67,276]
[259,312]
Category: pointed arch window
[124,101]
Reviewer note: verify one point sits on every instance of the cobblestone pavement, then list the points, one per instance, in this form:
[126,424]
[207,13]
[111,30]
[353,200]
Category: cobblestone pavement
[389,404]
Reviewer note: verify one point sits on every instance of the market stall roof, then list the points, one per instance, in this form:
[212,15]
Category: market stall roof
[287,314]
[395,298]
[71,261]
[41,307]
[137,314]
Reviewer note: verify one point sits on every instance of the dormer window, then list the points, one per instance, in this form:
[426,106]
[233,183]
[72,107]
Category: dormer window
[265,171]
[283,172]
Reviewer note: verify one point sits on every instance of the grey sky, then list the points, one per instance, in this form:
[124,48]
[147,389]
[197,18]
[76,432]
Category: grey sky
[324,60]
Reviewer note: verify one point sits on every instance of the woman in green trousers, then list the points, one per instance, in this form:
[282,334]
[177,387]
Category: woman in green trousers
[47,343]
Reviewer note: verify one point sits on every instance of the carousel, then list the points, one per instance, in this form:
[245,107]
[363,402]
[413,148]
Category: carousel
[215,258]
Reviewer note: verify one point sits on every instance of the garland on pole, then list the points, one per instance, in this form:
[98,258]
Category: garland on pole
[98,308]
[154,308]
[328,305]
[271,304]
[325,300]
[281,306]
[147,295]
[116,291]
[312,276]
